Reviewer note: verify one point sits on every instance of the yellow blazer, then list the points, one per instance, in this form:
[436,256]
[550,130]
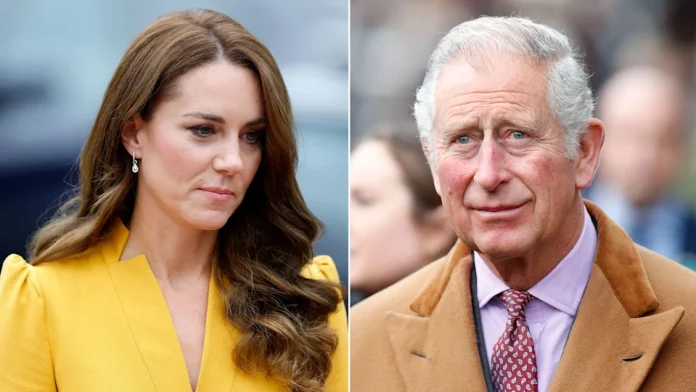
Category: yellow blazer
[90,323]
[635,329]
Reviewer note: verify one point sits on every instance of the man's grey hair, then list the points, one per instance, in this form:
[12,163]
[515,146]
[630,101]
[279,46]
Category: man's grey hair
[568,92]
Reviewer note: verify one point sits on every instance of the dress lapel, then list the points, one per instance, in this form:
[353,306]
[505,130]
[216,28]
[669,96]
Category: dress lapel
[218,371]
[152,329]
[435,348]
[147,314]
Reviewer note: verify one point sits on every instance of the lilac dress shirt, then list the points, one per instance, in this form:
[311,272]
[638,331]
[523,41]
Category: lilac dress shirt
[551,312]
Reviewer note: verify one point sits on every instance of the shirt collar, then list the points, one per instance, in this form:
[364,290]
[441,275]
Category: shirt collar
[561,288]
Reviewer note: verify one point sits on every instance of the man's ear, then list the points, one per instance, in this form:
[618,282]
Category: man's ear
[429,155]
[130,135]
[587,159]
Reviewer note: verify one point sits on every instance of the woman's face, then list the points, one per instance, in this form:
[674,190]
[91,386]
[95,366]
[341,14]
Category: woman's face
[200,150]
[385,240]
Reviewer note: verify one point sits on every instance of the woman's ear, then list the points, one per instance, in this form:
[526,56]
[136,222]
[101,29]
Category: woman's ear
[130,134]
[436,233]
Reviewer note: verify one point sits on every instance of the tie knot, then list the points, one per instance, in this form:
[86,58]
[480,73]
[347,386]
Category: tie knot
[515,302]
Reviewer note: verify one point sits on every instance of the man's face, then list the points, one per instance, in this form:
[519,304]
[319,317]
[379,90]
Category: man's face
[498,158]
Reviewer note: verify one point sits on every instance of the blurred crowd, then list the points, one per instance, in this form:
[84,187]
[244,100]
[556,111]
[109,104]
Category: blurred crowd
[640,54]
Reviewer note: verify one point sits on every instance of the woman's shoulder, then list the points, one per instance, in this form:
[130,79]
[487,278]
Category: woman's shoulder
[16,267]
[321,268]
[17,275]
[20,281]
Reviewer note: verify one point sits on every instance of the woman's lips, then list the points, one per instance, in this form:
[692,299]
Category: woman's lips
[218,194]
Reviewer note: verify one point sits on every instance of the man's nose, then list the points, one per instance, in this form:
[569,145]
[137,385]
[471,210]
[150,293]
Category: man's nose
[491,171]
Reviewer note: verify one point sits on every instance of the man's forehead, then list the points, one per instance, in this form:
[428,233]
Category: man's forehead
[504,73]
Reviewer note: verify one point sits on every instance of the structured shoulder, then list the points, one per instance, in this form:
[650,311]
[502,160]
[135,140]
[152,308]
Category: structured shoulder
[673,283]
[25,355]
[18,278]
[81,264]
[675,288]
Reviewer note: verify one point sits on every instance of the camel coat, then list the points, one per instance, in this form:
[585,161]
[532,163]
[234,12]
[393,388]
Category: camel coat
[635,329]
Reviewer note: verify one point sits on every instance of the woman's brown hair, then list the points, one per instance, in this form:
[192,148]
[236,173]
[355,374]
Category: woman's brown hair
[261,250]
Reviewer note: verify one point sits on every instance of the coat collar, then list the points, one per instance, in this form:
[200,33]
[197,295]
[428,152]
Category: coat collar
[438,341]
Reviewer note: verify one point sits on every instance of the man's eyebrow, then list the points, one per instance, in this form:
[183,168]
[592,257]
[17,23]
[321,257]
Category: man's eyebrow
[458,126]
[521,125]
[469,125]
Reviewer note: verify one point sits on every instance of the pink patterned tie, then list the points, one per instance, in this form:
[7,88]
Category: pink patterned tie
[513,363]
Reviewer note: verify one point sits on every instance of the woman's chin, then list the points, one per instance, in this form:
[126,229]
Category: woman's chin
[210,222]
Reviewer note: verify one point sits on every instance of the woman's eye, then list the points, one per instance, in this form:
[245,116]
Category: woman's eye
[464,139]
[253,137]
[519,135]
[362,200]
[202,130]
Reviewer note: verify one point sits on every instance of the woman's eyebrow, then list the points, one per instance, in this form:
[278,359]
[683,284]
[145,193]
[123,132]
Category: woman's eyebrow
[206,116]
[258,121]
[220,120]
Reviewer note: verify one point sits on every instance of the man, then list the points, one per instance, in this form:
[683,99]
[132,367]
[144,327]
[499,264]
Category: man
[542,292]
[646,110]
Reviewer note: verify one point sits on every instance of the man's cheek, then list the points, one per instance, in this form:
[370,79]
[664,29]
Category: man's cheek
[453,180]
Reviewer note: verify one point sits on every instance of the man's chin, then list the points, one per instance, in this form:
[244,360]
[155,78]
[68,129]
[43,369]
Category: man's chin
[500,248]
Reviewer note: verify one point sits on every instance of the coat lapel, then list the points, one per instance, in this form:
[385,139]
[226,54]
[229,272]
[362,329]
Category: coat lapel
[618,332]
[435,348]
[617,335]
[617,350]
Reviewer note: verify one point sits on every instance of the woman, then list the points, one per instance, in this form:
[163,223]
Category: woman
[185,260]
[397,222]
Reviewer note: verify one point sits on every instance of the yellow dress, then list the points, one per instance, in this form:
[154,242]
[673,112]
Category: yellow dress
[92,323]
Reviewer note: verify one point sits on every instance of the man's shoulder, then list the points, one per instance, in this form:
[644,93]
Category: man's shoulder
[675,288]
[373,365]
[395,298]
[673,283]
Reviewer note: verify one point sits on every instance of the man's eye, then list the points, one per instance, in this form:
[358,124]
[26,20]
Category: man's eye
[519,135]
[464,139]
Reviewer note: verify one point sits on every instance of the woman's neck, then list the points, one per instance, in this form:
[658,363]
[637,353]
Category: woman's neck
[176,253]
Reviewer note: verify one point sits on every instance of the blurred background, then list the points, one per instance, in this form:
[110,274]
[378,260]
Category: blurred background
[58,57]
[640,54]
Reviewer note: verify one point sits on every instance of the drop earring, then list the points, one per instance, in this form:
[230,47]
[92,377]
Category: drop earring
[135,163]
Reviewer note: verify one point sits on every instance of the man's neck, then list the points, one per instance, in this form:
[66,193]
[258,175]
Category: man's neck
[522,273]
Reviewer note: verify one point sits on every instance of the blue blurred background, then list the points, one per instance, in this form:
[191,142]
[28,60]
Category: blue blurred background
[58,57]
